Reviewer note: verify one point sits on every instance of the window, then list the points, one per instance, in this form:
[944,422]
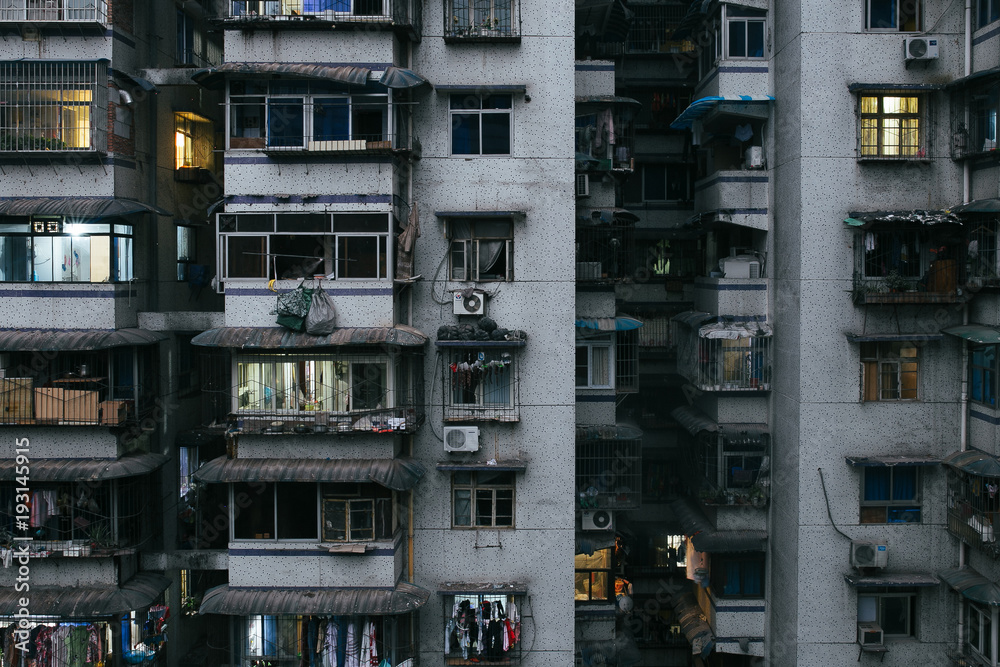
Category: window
[481,250]
[345,246]
[186,53]
[53,106]
[735,460]
[890,494]
[479,18]
[983,258]
[594,582]
[480,384]
[292,384]
[594,362]
[49,249]
[186,254]
[897,253]
[738,576]
[659,182]
[974,510]
[895,610]
[482,499]
[980,636]
[651,29]
[890,126]
[745,32]
[983,374]
[893,15]
[316,116]
[889,371]
[493,648]
[309,7]
[279,641]
[987,11]
[183,142]
[357,513]
[268,511]
[481,124]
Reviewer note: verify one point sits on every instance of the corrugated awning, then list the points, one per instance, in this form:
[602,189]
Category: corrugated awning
[399,78]
[891,579]
[463,588]
[510,465]
[976,77]
[973,462]
[88,602]
[894,460]
[514,215]
[735,330]
[972,585]
[239,601]
[214,77]
[613,100]
[978,206]
[692,19]
[277,338]
[136,81]
[398,474]
[692,318]
[55,340]
[619,323]
[591,542]
[693,624]
[891,337]
[480,88]
[81,470]
[916,217]
[701,107]
[77,207]
[615,432]
[694,420]
[707,539]
[975,333]
[892,87]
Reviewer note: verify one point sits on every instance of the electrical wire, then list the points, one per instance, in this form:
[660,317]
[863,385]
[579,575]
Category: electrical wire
[828,512]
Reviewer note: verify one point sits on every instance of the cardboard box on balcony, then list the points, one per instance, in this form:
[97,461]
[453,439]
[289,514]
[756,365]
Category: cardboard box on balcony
[16,400]
[113,412]
[66,406]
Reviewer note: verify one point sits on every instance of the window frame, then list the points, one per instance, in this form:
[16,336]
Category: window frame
[984,621]
[882,150]
[882,594]
[454,120]
[474,486]
[983,376]
[190,243]
[466,22]
[119,247]
[480,410]
[364,493]
[584,578]
[900,25]
[893,510]
[719,574]
[879,362]
[605,342]
[987,11]
[470,249]
[746,16]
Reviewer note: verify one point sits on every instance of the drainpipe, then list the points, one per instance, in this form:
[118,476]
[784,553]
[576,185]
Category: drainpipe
[409,526]
[963,432]
[966,167]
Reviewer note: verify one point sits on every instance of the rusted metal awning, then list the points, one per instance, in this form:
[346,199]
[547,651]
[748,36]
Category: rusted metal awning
[694,420]
[707,539]
[974,586]
[894,460]
[891,579]
[56,340]
[279,338]
[87,602]
[77,207]
[973,462]
[82,470]
[508,465]
[865,219]
[239,601]
[397,474]
[214,77]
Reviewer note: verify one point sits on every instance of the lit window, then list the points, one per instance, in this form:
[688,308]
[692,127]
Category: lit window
[183,142]
[895,611]
[481,124]
[49,249]
[890,126]
[889,371]
[594,582]
[893,15]
[482,499]
[890,494]
[286,384]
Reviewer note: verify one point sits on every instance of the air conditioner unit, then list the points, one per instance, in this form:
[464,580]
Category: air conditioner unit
[583,185]
[870,634]
[865,553]
[754,157]
[740,266]
[461,438]
[920,48]
[598,520]
[474,304]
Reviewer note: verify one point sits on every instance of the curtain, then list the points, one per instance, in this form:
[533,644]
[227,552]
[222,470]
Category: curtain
[489,253]
[331,118]
[732,581]
[877,483]
[904,483]
[753,578]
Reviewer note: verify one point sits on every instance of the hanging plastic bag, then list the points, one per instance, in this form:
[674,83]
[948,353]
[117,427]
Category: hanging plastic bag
[322,317]
[294,306]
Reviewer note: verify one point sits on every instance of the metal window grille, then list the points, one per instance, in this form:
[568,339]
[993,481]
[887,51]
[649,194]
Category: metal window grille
[733,364]
[609,471]
[983,255]
[889,126]
[737,465]
[481,384]
[82,519]
[594,580]
[974,510]
[62,11]
[652,28]
[627,361]
[481,19]
[655,332]
[53,106]
[339,392]
[276,641]
[459,613]
[77,388]
[604,251]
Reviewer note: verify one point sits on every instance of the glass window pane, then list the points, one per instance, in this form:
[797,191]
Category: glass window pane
[737,39]
[368,386]
[100,259]
[882,14]
[334,520]
[362,519]
[755,39]
[895,615]
[496,133]
[504,507]
[465,134]
[331,119]
[253,511]
[285,122]
[462,507]
[484,507]
[246,256]
[15,258]
[357,257]
[600,366]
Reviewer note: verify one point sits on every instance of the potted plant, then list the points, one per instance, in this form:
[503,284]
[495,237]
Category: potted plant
[100,537]
[895,282]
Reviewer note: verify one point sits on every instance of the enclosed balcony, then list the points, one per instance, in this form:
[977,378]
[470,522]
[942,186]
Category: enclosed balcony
[54,11]
[723,355]
[608,467]
[973,502]
[605,133]
[291,14]
[482,21]
[605,245]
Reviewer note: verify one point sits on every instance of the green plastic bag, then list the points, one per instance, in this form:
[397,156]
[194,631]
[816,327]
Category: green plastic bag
[293,307]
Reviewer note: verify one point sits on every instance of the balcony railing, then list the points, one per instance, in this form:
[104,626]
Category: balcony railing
[363,144]
[54,11]
[608,467]
[725,364]
[482,21]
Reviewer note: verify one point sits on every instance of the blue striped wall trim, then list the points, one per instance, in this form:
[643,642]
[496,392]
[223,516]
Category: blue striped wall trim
[735,640]
[731,288]
[15,293]
[596,399]
[303,552]
[329,287]
[304,157]
[320,199]
[989,419]
[986,35]
[731,179]
[595,68]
